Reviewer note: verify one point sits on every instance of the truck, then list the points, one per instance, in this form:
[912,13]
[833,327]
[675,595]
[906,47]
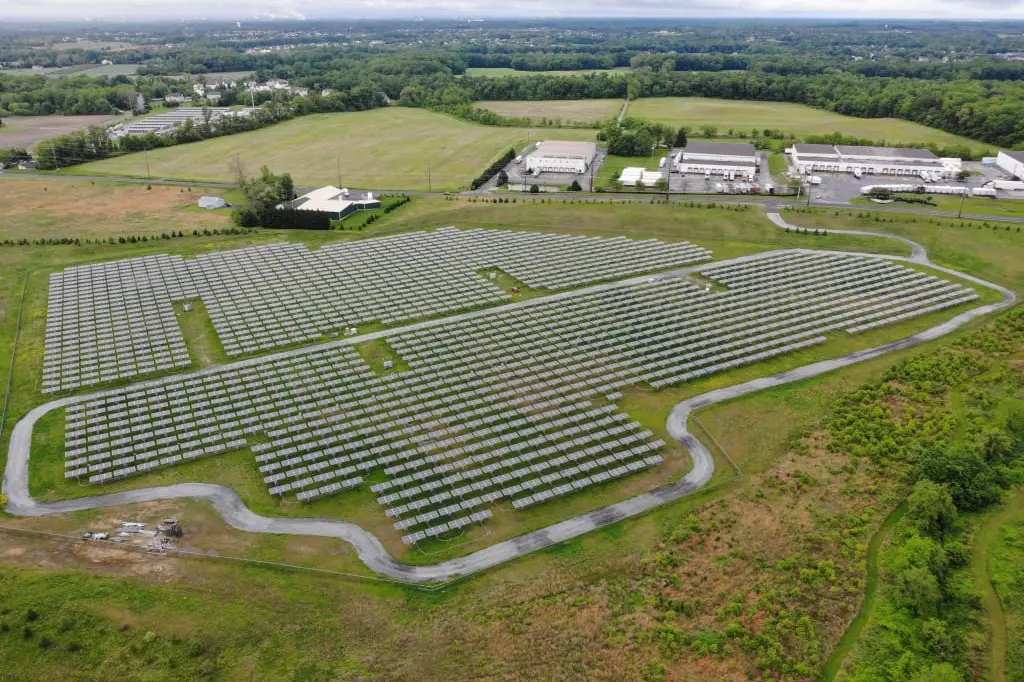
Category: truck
[857,173]
[1009,185]
[519,159]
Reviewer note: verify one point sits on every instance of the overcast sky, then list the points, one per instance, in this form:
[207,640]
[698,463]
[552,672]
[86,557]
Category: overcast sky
[245,9]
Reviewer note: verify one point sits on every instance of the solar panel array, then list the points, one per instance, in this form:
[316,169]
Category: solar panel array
[265,297]
[114,321]
[516,404]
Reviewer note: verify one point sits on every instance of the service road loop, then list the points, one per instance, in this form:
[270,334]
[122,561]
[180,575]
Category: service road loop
[370,549]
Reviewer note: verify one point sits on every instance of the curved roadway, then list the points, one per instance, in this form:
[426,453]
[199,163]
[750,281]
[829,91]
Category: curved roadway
[369,548]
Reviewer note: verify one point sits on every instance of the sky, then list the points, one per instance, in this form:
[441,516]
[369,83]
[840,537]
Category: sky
[136,10]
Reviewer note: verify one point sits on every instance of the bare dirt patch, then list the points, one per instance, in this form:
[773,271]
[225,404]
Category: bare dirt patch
[25,131]
[36,208]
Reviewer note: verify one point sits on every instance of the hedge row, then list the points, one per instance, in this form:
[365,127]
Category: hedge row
[493,169]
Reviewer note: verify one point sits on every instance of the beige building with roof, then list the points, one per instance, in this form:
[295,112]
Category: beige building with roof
[561,157]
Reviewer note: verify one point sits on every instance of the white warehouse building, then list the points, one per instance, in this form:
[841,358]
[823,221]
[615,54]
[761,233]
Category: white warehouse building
[1012,163]
[717,158]
[811,158]
[561,157]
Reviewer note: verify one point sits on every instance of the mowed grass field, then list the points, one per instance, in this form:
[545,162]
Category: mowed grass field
[40,208]
[385,149]
[569,111]
[791,118]
[500,72]
[25,131]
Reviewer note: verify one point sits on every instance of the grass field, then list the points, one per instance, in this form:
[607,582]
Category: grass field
[498,72]
[110,70]
[613,166]
[575,111]
[25,131]
[37,208]
[599,607]
[384,149]
[1013,208]
[790,118]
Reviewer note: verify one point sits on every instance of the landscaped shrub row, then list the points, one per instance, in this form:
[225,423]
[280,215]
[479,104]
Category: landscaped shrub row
[129,239]
[493,169]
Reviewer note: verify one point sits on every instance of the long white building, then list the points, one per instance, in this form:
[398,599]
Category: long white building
[561,157]
[717,158]
[811,158]
[1012,163]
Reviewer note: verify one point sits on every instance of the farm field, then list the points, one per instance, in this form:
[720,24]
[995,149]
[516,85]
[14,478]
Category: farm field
[790,118]
[500,72]
[602,602]
[386,149]
[41,208]
[110,70]
[25,131]
[556,112]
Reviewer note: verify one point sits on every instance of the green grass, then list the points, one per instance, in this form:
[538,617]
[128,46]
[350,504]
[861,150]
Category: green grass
[557,112]
[993,252]
[385,149]
[499,72]
[110,70]
[797,119]
[613,166]
[852,634]
[1010,208]
[996,562]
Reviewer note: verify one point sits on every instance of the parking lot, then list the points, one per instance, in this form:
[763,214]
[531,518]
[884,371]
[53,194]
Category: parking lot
[517,173]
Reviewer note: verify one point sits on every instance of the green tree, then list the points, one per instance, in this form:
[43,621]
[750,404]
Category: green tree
[938,672]
[661,185]
[917,589]
[269,190]
[930,507]
[971,481]
[682,136]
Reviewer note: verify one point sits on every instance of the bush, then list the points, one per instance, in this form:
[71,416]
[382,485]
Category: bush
[245,217]
[534,189]
[493,169]
[289,219]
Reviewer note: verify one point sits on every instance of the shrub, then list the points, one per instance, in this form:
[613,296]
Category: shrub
[244,217]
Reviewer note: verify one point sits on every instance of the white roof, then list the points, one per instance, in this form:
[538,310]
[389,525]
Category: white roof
[329,199]
[566,150]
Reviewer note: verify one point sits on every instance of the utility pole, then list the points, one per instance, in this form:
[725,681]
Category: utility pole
[339,171]
[429,185]
[963,197]
[146,154]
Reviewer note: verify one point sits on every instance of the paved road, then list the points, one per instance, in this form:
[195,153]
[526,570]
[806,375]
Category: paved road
[369,548]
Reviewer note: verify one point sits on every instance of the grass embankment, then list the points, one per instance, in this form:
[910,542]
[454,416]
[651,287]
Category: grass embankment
[798,119]
[395,148]
[1010,208]
[992,252]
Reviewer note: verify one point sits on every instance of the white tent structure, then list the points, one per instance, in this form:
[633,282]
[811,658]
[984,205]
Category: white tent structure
[212,202]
